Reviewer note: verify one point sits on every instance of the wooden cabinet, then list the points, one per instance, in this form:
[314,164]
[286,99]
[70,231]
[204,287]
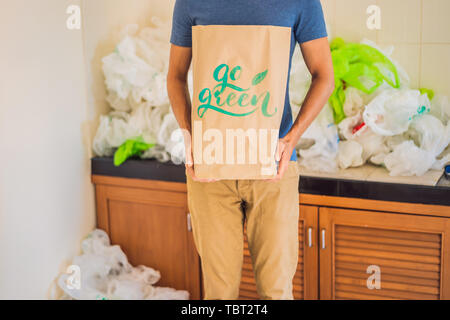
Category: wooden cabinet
[339,240]
[150,221]
[306,278]
[408,253]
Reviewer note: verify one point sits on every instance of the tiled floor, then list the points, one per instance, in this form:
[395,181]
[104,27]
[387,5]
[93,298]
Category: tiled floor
[370,172]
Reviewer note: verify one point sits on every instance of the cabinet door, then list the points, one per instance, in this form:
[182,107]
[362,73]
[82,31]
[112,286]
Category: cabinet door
[152,228]
[411,253]
[306,278]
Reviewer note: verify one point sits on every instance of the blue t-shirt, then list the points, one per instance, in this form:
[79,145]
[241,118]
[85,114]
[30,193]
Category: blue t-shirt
[305,17]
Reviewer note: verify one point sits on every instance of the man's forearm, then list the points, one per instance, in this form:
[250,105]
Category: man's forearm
[181,102]
[316,98]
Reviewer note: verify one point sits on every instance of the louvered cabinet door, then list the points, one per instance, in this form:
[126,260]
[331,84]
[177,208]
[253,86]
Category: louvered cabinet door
[405,256]
[305,282]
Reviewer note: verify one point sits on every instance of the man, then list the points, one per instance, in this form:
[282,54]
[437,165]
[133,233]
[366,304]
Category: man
[270,208]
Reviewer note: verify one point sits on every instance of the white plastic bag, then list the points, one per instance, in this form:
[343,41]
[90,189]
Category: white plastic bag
[105,273]
[321,156]
[407,159]
[354,102]
[391,112]
[112,132]
[431,135]
[350,154]
[136,71]
[440,108]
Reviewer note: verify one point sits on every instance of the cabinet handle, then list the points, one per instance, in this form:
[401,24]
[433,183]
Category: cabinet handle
[310,237]
[323,238]
[189,225]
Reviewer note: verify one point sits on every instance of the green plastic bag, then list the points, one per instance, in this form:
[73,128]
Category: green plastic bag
[360,66]
[428,92]
[130,148]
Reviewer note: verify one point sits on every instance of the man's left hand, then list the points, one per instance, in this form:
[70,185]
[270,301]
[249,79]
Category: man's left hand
[283,154]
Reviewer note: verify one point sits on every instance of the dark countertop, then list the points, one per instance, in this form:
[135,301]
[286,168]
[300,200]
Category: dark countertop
[154,170]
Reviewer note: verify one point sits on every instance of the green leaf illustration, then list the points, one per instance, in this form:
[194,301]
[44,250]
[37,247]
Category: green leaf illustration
[259,77]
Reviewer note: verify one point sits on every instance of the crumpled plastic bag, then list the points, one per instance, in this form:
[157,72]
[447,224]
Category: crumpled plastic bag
[440,108]
[364,142]
[130,148]
[321,156]
[112,132]
[350,154]
[299,80]
[391,112]
[136,71]
[354,102]
[147,120]
[430,134]
[107,274]
[360,66]
[407,159]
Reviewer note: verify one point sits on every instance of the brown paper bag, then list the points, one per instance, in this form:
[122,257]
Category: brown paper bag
[240,77]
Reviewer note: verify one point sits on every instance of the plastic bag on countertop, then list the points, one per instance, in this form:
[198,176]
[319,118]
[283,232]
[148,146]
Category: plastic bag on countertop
[354,102]
[112,132]
[172,138]
[107,274]
[350,154]
[407,159]
[430,134]
[299,80]
[147,120]
[354,129]
[360,66]
[321,156]
[440,108]
[130,148]
[391,112]
[442,160]
[136,71]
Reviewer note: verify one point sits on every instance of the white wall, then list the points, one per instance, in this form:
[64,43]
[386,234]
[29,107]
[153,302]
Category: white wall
[46,198]
[51,93]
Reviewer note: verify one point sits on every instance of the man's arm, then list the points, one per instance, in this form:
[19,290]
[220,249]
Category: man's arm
[177,89]
[318,60]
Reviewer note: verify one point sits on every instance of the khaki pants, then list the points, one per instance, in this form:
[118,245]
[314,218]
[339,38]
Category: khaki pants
[271,213]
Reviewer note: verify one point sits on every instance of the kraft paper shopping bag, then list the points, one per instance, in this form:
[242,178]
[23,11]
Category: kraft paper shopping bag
[240,77]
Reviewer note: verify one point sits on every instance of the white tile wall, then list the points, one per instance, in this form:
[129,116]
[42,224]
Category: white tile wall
[418,29]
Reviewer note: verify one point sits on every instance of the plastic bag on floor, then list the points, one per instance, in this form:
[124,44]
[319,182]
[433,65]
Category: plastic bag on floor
[107,274]
[321,156]
[391,112]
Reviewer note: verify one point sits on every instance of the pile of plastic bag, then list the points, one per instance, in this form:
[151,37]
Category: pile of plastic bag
[135,79]
[374,116]
[106,274]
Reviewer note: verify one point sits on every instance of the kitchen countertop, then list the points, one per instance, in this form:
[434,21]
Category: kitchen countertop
[368,181]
